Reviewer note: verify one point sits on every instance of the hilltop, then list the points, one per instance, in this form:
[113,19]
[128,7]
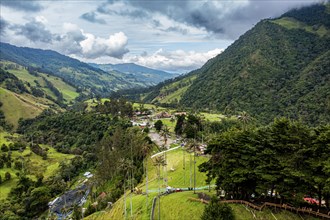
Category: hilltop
[278,68]
[144,74]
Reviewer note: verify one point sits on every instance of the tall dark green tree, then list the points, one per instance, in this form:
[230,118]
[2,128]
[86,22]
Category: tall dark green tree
[158,125]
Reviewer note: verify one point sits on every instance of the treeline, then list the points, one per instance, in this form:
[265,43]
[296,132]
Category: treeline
[3,122]
[284,161]
[313,15]
[35,148]
[56,92]
[115,107]
[69,132]
[12,83]
[40,93]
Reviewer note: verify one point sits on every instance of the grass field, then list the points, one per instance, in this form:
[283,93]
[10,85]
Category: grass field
[69,92]
[17,106]
[170,124]
[174,96]
[177,206]
[291,23]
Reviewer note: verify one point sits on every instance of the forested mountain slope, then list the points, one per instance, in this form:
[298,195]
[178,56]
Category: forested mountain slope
[72,71]
[278,68]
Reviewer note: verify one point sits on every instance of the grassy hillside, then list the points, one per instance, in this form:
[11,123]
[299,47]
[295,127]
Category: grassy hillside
[34,164]
[36,92]
[16,106]
[69,92]
[178,205]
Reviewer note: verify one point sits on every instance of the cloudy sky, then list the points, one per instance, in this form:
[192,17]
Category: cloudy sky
[172,35]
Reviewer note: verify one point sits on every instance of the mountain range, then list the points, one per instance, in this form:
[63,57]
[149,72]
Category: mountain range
[144,74]
[93,79]
[281,67]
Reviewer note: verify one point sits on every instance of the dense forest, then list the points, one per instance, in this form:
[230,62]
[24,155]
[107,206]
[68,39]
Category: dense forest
[281,162]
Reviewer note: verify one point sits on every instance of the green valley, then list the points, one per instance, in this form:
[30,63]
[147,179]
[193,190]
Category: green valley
[97,123]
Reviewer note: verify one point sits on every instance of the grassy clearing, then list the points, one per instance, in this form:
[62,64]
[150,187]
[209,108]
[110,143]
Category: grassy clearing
[6,186]
[212,116]
[16,106]
[69,92]
[176,178]
[291,23]
[170,124]
[177,206]
[174,96]
[3,139]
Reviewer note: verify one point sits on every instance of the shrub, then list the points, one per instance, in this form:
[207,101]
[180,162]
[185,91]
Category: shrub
[217,211]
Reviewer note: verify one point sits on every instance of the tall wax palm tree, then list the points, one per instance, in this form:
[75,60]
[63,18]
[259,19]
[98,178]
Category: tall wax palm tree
[158,162]
[245,118]
[192,144]
[165,134]
[125,165]
[146,148]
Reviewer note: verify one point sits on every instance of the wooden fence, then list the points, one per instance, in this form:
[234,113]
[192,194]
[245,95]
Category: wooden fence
[268,204]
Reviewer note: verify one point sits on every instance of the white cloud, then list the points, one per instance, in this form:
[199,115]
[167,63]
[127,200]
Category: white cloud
[175,61]
[41,19]
[114,46]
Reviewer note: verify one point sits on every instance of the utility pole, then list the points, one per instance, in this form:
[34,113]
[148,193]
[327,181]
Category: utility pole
[194,168]
[132,184]
[125,197]
[190,169]
[184,165]
[159,193]
[146,161]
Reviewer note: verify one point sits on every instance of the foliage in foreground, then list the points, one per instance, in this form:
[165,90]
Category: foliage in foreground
[217,211]
[286,157]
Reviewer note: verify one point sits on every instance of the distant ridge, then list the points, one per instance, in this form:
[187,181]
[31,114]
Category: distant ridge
[79,74]
[144,74]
